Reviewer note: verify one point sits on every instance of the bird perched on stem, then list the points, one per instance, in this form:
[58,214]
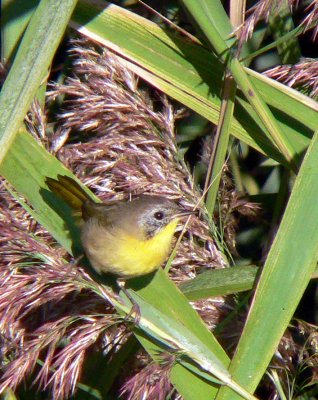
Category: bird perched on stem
[124,238]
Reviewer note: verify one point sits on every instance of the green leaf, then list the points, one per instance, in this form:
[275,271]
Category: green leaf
[286,274]
[31,64]
[26,166]
[213,28]
[281,23]
[220,282]
[171,333]
[191,74]
[13,24]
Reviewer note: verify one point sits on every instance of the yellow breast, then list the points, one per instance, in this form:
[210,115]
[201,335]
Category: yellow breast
[121,254]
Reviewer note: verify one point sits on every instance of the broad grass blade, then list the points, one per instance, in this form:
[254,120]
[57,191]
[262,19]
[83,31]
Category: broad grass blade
[287,271]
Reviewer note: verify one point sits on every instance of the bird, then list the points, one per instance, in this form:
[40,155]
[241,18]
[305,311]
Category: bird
[126,238]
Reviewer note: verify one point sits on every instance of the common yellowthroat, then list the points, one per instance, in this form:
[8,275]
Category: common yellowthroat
[126,238]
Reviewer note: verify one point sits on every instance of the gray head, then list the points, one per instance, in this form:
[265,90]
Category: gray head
[142,217]
[153,214]
[147,215]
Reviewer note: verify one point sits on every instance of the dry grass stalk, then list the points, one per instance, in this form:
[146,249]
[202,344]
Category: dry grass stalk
[264,9]
[311,19]
[150,380]
[302,76]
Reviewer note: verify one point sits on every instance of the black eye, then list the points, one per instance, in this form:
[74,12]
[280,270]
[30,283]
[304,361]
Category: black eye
[159,215]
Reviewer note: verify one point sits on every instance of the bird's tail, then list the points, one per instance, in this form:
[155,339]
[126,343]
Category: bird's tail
[69,191]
